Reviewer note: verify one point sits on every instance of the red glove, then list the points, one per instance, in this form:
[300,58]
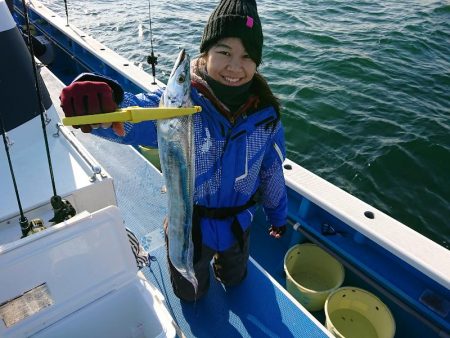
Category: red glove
[85,98]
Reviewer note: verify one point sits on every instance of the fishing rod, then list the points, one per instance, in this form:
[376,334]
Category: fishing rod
[151,59]
[25,226]
[62,208]
[67,13]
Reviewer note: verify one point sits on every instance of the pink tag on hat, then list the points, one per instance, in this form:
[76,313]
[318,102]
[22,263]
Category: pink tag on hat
[249,23]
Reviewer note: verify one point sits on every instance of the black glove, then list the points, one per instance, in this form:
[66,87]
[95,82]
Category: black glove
[277,232]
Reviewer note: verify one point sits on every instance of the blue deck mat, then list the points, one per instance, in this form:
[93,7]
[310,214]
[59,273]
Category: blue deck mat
[255,308]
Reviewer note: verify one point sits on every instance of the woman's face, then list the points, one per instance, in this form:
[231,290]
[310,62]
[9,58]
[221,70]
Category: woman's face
[228,63]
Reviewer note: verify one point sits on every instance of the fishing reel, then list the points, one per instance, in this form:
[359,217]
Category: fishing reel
[62,208]
[31,227]
[153,60]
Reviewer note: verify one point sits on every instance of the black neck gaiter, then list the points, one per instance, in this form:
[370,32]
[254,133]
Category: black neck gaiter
[231,96]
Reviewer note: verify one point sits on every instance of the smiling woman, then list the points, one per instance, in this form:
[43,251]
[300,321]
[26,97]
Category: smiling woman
[228,62]
[238,146]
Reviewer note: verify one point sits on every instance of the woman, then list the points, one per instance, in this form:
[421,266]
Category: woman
[239,142]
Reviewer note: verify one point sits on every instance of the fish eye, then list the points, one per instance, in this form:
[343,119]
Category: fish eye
[181,78]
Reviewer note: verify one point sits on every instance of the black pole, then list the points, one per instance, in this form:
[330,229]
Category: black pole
[63,209]
[151,59]
[67,13]
[38,93]
[25,226]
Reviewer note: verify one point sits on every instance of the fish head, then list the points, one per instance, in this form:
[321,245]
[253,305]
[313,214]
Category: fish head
[177,92]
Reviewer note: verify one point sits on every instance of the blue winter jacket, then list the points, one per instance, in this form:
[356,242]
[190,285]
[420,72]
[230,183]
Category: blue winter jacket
[231,162]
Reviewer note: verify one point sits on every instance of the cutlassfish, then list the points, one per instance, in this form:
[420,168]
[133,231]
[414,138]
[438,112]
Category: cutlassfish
[176,152]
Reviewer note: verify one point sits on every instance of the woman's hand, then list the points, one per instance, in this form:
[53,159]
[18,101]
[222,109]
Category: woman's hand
[277,232]
[86,97]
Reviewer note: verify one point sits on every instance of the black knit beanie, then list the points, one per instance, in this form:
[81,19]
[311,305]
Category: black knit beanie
[235,18]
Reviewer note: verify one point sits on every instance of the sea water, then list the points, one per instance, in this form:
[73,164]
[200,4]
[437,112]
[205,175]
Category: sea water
[364,86]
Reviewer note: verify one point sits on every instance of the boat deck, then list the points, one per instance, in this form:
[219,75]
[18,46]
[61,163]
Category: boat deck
[259,307]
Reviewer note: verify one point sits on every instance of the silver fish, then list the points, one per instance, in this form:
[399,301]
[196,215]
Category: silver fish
[176,152]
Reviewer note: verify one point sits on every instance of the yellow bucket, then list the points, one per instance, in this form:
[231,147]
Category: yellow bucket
[353,313]
[311,275]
